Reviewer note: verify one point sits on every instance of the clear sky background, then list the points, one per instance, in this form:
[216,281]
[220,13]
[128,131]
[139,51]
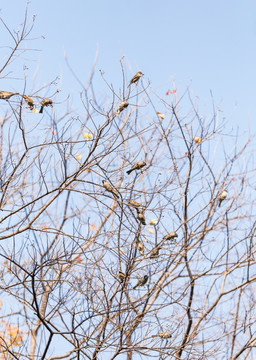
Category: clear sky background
[207,44]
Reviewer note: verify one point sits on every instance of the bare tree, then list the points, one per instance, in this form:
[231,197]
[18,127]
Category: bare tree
[127,232]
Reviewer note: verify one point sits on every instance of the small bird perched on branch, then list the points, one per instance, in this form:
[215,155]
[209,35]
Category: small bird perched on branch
[45,102]
[122,106]
[154,253]
[136,78]
[223,196]
[141,248]
[137,166]
[163,335]
[121,276]
[5,95]
[110,188]
[29,101]
[170,236]
[135,204]
[141,217]
[141,281]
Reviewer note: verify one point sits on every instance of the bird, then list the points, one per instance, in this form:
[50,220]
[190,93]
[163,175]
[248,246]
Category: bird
[136,78]
[141,217]
[141,248]
[122,106]
[135,204]
[137,166]
[121,276]
[110,188]
[154,253]
[5,95]
[141,281]
[163,335]
[45,102]
[29,101]
[170,236]
[223,196]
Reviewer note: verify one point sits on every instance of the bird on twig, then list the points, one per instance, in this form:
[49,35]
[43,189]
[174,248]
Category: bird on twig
[141,217]
[141,248]
[136,78]
[135,204]
[223,196]
[121,276]
[45,102]
[110,188]
[137,166]
[163,335]
[5,95]
[154,253]
[122,106]
[29,101]
[141,281]
[170,236]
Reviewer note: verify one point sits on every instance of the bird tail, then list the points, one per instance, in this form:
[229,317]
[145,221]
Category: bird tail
[220,203]
[115,193]
[41,110]
[128,172]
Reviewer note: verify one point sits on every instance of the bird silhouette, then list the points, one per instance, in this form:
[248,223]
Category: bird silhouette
[6,95]
[45,102]
[121,276]
[154,253]
[122,106]
[163,335]
[141,217]
[110,188]
[223,196]
[141,281]
[170,236]
[137,166]
[29,101]
[141,248]
[135,204]
[136,78]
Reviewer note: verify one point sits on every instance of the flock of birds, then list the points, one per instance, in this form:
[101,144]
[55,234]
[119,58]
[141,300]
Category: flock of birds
[140,213]
[6,95]
[140,216]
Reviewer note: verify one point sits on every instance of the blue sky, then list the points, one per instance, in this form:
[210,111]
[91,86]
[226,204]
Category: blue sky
[209,45]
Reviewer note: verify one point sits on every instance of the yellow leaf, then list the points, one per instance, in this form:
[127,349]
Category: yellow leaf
[87,136]
[35,111]
[15,335]
[78,157]
[153,221]
[197,139]
[161,116]
[151,231]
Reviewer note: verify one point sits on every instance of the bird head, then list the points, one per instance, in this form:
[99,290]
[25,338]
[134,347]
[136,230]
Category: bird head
[140,73]
[145,277]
